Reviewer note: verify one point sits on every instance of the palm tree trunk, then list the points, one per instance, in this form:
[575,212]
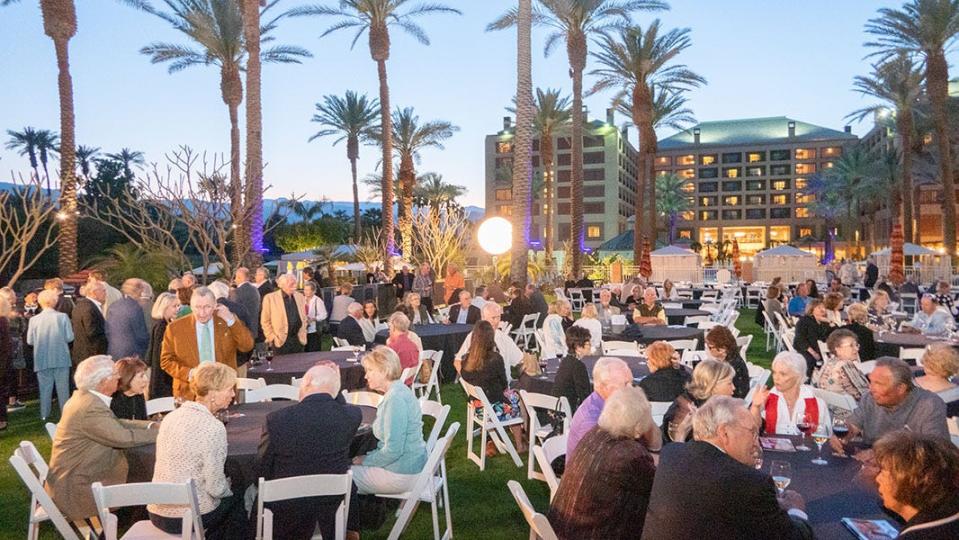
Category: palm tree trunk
[522,143]
[46,173]
[937,84]
[904,125]
[231,90]
[387,128]
[641,179]
[576,48]
[672,227]
[407,177]
[549,198]
[357,228]
[250,235]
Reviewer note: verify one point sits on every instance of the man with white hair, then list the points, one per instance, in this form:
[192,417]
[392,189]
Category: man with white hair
[246,295]
[210,333]
[89,443]
[89,326]
[221,291]
[605,309]
[112,293]
[716,474]
[650,311]
[464,312]
[609,375]
[281,317]
[349,328]
[289,446]
[127,333]
[512,355]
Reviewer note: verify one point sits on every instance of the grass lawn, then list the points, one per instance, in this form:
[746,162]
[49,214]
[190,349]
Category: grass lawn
[482,506]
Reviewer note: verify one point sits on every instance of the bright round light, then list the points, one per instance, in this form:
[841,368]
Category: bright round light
[495,235]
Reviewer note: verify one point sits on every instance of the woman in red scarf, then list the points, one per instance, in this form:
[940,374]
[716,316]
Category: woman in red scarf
[789,401]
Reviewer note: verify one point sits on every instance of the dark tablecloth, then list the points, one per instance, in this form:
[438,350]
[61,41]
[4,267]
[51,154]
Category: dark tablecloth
[543,384]
[678,316]
[287,366]
[438,337]
[890,342]
[243,440]
[650,334]
[831,491]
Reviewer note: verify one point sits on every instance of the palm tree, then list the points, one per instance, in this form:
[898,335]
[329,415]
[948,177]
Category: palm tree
[522,143]
[638,62]
[352,118]
[575,21]
[26,143]
[926,28]
[882,187]
[85,156]
[127,157]
[216,28]
[552,115]
[376,17]
[410,137]
[432,191]
[898,84]
[250,237]
[47,144]
[855,168]
[672,200]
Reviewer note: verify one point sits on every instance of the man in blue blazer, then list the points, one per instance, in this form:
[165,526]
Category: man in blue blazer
[349,328]
[127,333]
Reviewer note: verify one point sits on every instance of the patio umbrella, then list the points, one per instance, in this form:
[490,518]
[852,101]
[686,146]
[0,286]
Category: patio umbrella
[737,266]
[896,275]
[645,264]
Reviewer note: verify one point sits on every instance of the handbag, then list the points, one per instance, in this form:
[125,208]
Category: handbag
[556,420]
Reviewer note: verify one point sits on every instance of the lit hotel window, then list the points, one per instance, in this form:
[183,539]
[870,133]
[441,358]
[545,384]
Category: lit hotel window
[664,160]
[731,172]
[688,215]
[802,212]
[805,231]
[731,201]
[594,231]
[805,168]
[687,173]
[686,160]
[707,159]
[753,157]
[779,200]
[504,194]
[800,183]
[688,187]
[779,185]
[504,147]
[686,233]
[805,153]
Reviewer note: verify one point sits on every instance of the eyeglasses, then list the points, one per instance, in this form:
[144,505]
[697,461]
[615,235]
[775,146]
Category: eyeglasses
[853,344]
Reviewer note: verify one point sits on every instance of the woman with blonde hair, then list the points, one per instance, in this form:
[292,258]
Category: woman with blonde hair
[554,332]
[880,317]
[666,379]
[588,320]
[941,363]
[164,311]
[710,378]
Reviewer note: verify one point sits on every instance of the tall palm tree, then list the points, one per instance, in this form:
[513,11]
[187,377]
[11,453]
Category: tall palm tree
[432,191]
[926,28]
[672,201]
[85,156]
[575,21]
[882,187]
[250,237]
[376,17]
[898,84]
[856,167]
[352,118]
[410,136]
[127,157]
[522,143]
[637,62]
[27,143]
[552,114]
[216,29]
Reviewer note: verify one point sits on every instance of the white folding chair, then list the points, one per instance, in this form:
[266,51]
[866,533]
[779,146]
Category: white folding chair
[689,357]
[744,343]
[273,391]
[788,335]
[623,352]
[866,367]
[244,385]
[410,373]
[754,384]
[425,390]
[443,313]
[143,493]
[32,470]
[908,302]
[953,423]
[711,294]
[912,354]
[772,333]
[560,295]
[431,486]
[695,319]
[339,342]
[545,455]
[672,305]
[614,345]
[659,409]
[535,402]
[576,299]
[438,412]
[296,382]
[486,423]
[684,344]
[539,526]
[297,487]
[160,405]
[51,429]
[526,330]
[835,399]
[363,398]
[823,350]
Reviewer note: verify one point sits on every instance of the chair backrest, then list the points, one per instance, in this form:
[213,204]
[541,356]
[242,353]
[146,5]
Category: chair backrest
[347,347]
[823,350]
[695,319]
[32,470]
[143,493]
[243,383]
[438,412]
[559,293]
[689,356]
[613,345]
[529,322]
[427,355]
[546,454]
[623,352]
[160,405]
[866,367]
[538,523]
[684,344]
[534,400]
[658,409]
[273,391]
[949,395]
[366,399]
[296,487]
[835,399]
[296,382]
[672,305]
[744,343]
[912,354]
[339,342]
[51,430]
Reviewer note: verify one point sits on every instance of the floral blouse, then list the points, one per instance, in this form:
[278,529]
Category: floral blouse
[835,379]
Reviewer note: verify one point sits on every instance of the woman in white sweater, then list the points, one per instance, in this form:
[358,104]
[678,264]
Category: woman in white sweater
[589,321]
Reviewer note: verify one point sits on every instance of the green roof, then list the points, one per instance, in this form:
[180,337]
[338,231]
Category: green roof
[750,131]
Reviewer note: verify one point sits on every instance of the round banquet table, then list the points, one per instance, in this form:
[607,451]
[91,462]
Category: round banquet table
[543,384]
[243,440]
[687,303]
[649,334]
[287,366]
[831,491]
[890,343]
[438,337]
[678,316]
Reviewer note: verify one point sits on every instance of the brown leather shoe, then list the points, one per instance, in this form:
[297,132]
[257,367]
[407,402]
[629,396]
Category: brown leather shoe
[352,535]
[491,450]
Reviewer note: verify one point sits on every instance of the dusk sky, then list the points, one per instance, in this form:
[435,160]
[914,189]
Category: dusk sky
[760,57]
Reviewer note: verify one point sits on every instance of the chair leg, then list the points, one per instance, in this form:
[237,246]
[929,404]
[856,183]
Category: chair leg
[436,520]
[446,501]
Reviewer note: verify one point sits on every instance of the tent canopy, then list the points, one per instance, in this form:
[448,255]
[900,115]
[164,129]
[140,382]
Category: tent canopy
[673,251]
[910,250]
[784,251]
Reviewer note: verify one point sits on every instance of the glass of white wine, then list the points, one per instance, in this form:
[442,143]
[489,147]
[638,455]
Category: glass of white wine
[820,436]
[781,471]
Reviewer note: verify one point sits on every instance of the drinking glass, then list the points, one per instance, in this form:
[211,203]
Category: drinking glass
[758,456]
[840,429]
[356,354]
[804,425]
[269,358]
[820,436]
[781,471]
[543,363]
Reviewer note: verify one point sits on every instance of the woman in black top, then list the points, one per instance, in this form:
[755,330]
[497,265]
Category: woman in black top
[858,319]
[812,328]
[164,310]
[572,379]
[813,290]
[666,379]
[128,402]
[721,344]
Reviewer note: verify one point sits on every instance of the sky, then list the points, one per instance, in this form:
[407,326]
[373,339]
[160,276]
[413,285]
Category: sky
[760,58]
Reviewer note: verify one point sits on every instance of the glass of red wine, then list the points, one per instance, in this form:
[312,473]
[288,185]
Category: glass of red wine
[840,429]
[805,426]
[269,358]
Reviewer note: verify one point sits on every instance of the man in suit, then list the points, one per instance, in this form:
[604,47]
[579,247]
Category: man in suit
[349,328]
[245,294]
[261,280]
[537,303]
[113,294]
[89,443]
[89,326]
[715,476]
[605,308]
[464,312]
[289,447]
[221,291]
[211,333]
[127,333]
[282,317]
[403,281]
[872,273]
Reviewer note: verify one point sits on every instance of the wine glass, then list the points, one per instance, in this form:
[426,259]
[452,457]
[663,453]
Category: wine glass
[356,354]
[840,429]
[781,471]
[803,425]
[269,358]
[758,456]
[543,363]
[820,436]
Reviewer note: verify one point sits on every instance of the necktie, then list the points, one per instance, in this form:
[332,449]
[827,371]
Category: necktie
[206,344]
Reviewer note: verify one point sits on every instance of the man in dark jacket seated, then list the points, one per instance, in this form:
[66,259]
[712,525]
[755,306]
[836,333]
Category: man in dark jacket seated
[464,312]
[349,328]
[289,447]
[710,488]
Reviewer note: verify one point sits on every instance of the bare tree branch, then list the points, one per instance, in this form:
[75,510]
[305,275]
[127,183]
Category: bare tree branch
[25,212]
